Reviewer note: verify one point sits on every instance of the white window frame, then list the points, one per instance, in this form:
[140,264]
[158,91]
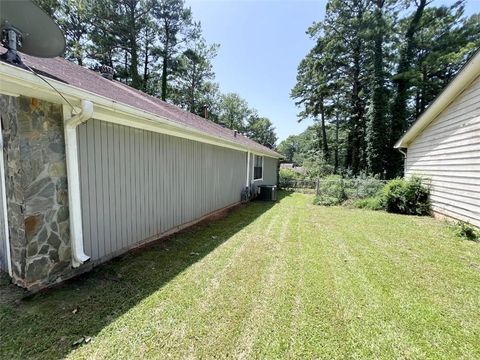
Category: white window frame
[263,167]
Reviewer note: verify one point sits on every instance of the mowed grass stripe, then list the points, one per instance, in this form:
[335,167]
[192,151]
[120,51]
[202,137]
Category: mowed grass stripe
[288,280]
[166,317]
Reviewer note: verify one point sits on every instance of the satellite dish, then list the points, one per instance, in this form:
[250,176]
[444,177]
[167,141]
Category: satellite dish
[24,26]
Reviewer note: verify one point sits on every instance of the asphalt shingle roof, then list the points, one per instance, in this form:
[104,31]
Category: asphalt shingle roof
[85,79]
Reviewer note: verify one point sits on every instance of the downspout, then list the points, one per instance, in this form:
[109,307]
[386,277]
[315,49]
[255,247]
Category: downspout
[73,178]
[4,205]
[404,160]
[248,170]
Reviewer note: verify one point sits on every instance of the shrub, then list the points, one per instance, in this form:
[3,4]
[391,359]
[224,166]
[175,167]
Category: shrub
[466,231]
[362,187]
[289,178]
[287,175]
[407,196]
[331,191]
[371,203]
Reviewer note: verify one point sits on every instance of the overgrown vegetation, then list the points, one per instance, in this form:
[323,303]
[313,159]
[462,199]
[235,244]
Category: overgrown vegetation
[401,196]
[407,196]
[466,231]
[286,175]
[335,189]
[371,203]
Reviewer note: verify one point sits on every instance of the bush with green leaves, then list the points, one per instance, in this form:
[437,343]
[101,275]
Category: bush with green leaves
[370,203]
[289,175]
[331,191]
[407,196]
[363,186]
[466,231]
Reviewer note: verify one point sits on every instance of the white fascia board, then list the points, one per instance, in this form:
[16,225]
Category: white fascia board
[464,78]
[15,82]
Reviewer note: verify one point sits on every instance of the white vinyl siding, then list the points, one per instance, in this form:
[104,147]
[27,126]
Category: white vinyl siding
[447,152]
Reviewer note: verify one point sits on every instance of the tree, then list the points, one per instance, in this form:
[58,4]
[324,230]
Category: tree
[444,42]
[375,66]
[234,112]
[261,130]
[402,81]
[49,6]
[176,28]
[377,140]
[289,147]
[311,91]
[194,75]
[74,19]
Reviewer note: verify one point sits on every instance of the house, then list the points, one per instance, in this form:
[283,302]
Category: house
[91,168]
[443,145]
[291,166]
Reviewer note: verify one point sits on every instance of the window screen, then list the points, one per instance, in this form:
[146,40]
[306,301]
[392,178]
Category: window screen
[258,167]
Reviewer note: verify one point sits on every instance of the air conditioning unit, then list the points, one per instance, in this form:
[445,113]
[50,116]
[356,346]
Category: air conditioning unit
[268,193]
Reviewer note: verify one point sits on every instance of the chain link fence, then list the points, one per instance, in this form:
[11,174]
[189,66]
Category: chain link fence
[350,188]
[346,188]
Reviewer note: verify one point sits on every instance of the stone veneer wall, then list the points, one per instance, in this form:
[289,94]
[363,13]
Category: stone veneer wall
[36,185]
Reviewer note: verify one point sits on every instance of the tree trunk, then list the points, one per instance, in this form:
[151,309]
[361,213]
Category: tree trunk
[192,91]
[146,62]
[377,138]
[326,155]
[136,83]
[399,106]
[337,128]
[358,131]
[357,134]
[165,66]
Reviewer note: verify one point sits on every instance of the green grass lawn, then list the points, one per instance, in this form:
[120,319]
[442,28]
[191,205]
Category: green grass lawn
[290,280]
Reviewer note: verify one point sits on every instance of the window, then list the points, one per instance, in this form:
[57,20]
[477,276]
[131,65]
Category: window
[258,168]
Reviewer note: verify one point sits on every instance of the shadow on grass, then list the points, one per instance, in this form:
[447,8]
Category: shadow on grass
[46,324]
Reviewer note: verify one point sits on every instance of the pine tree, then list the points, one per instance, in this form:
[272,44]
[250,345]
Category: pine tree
[194,73]
[176,28]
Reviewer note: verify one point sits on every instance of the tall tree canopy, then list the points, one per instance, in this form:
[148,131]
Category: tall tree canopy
[375,67]
[157,47]
[261,130]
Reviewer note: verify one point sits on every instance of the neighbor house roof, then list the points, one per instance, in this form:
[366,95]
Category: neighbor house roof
[463,79]
[78,77]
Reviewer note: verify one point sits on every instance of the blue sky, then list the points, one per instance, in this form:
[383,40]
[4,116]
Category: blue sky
[261,44]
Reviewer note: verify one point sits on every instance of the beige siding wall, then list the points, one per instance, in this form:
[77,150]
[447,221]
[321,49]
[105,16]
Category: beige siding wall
[138,184]
[269,171]
[448,153]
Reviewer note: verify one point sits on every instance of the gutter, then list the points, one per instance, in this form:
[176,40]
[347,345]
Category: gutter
[73,177]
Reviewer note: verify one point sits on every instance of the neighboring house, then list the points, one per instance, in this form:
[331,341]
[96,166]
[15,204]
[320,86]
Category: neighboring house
[123,168]
[443,145]
[291,166]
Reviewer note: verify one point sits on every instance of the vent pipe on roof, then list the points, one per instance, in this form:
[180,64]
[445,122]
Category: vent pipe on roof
[205,111]
[235,133]
[106,72]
